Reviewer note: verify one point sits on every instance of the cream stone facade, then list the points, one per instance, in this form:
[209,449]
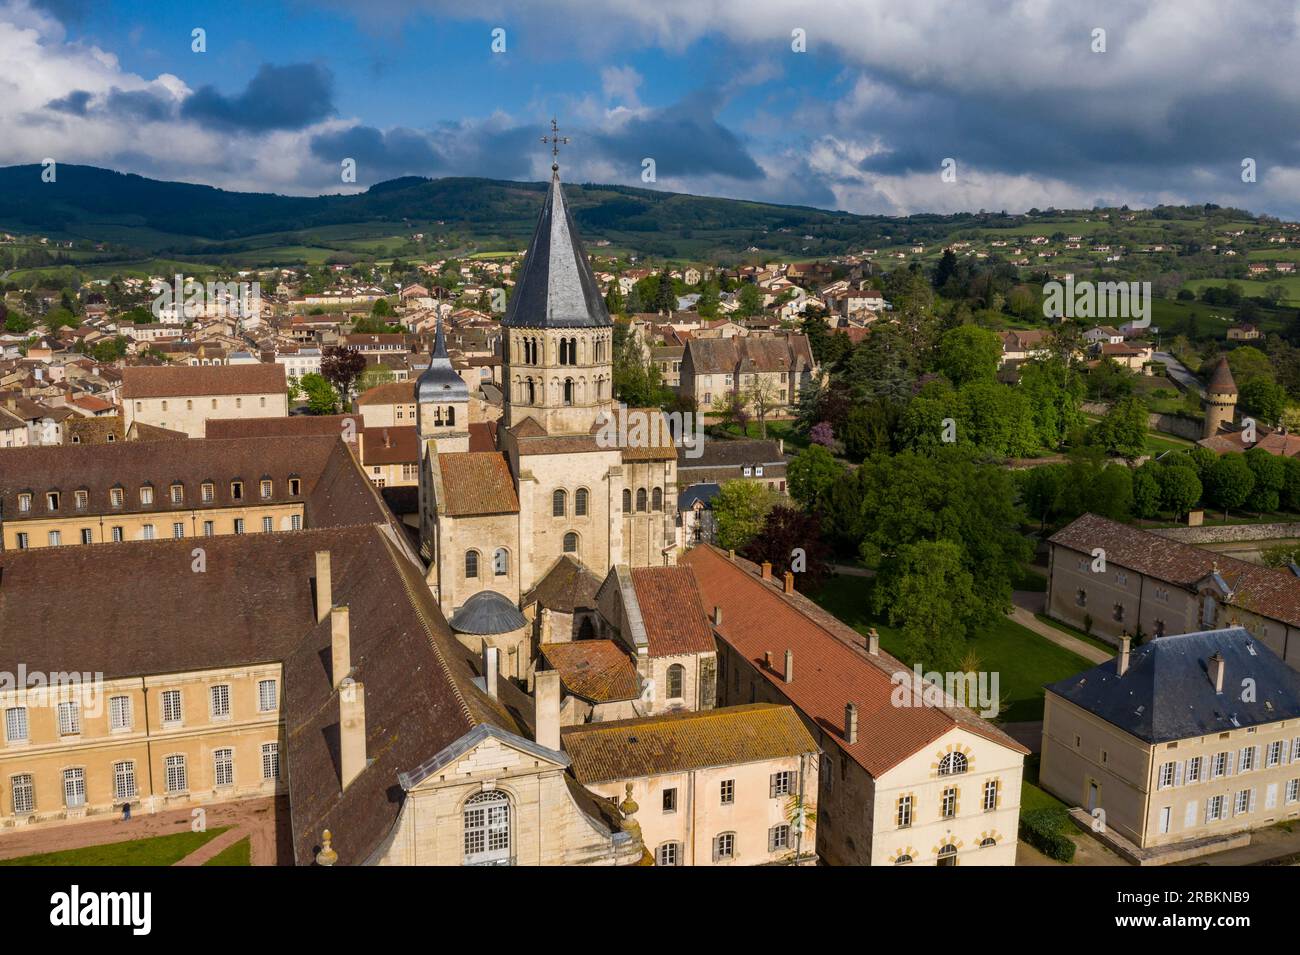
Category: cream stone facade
[184,398]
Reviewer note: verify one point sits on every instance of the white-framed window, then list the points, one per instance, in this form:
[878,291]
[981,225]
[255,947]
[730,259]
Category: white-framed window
[1194,769]
[119,713]
[16,724]
[208,491]
[146,495]
[781,784]
[1247,760]
[266,490]
[670,799]
[119,535]
[209,528]
[74,787]
[267,696]
[903,814]
[268,525]
[295,522]
[724,846]
[778,838]
[1242,802]
[1220,767]
[22,540]
[178,529]
[124,780]
[87,535]
[56,538]
[1274,755]
[669,854]
[486,820]
[24,794]
[220,695]
[81,499]
[1292,790]
[728,792]
[147,532]
[1214,809]
[178,493]
[948,803]
[223,767]
[1166,776]
[990,795]
[24,503]
[171,706]
[115,497]
[239,525]
[270,760]
[953,764]
[177,776]
[69,718]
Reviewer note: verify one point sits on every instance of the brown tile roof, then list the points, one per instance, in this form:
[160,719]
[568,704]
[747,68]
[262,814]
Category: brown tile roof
[1282,443]
[678,742]
[648,437]
[477,482]
[566,587]
[391,393]
[599,671]
[395,445]
[1221,382]
[92,430]
[674,616]
[831,667]
[202,380]
[482,436]
[329,424]
[141,431]
[97,468]
[1258,589]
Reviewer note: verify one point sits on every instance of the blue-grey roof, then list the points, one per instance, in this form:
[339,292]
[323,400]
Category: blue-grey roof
[697,492]
[1167,694]
[556,287]
[440,381]
[487,612]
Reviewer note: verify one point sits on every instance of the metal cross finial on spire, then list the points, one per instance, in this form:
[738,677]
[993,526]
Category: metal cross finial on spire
[556,140]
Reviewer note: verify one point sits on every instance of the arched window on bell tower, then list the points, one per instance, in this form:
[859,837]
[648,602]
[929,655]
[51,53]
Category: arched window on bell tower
[568,391]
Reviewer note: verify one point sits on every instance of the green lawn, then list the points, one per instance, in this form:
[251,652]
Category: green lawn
[1033,797]
[1023,660]
[238,853]
[1076,633]
[158,850]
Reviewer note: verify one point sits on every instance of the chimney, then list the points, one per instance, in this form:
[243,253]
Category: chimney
[767,659]
[546,703]
[851,722]
[873,642]
[324,592]
[731,556]
[789,666]
[340,646]
[1216,672]
[767,570]
[789,582]
[1121,667]
[717,616]
[490,669]
[352,730]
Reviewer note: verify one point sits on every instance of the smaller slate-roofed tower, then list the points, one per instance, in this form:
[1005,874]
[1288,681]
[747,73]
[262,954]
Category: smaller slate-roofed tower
[1220,399]
[443,399]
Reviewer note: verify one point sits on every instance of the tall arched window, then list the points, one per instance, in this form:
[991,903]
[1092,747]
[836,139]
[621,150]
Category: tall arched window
[676,677]
[640,499]
[570,543]
[627,500]
[530,390]
[580,502]
[501,562]
[568,391]
[487,829]
[952,764]
[559,503]
[657,499]
[471,563]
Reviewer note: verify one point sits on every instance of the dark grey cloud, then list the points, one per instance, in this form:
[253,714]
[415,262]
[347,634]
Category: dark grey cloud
[74,103]
[379,154]
[139,105]
[278,97]
[684,139]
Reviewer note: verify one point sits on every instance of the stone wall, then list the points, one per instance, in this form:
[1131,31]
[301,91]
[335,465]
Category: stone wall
[1231,533]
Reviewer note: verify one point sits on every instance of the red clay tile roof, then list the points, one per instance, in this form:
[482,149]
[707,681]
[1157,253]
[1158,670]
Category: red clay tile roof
[830,667]
[1221,382]
[330,424]
[678,742]
[675,621]
[599,671]
[1262,590]
[393,445]
[477,482]
[391,393]
[202,380]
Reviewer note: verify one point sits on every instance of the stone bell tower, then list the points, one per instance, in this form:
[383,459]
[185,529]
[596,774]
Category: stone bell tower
[1220,400]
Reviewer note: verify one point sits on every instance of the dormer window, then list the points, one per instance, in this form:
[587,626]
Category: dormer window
[237,490]
[266,490]
[295,486]
[24,503]
[52,501]
[178,494]
[208,492]
[115,497]
[146,495]
[82,499]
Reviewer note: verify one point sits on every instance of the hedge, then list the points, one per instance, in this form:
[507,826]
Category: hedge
[1045,829]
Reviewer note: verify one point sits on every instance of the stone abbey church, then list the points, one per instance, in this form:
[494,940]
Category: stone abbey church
[499,512]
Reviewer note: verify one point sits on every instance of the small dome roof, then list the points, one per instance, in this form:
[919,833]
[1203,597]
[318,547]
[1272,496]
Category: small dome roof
[487,612]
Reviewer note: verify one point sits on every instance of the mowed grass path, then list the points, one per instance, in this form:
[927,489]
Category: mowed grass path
[1023,660]
[158,850]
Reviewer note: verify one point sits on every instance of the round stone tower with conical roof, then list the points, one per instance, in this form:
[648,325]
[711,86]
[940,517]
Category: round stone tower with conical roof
[1220,399]
[559,341]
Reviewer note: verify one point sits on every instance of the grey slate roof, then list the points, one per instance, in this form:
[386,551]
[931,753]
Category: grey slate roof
[487,612]
[697,492]
[556,286]
[1167,694]
[440,381]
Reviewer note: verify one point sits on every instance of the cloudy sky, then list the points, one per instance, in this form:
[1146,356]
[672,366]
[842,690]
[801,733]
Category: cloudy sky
[715,92]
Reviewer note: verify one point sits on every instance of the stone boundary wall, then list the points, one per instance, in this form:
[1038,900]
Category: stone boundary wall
[1177,425]
[1231,533]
